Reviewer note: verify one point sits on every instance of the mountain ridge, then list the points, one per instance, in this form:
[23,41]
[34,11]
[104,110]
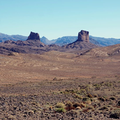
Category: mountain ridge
[63,40]
[34,45]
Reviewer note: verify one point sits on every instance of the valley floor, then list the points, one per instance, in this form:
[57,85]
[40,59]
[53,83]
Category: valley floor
[35,67]
[68,99]
[59,86]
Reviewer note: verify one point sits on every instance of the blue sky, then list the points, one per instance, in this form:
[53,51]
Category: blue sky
[57,18]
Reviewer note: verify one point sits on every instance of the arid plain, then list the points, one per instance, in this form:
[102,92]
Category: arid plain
[33,67]
[74,84]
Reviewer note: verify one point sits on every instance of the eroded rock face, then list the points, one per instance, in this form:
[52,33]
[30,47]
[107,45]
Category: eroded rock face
[83,36]
[33,36]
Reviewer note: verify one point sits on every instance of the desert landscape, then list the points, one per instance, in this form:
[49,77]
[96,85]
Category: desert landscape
[77,81]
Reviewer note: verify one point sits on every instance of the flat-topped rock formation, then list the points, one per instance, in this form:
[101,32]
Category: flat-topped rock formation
[31,45]
[33,36]
[83,36]
[82,42]
[34,45]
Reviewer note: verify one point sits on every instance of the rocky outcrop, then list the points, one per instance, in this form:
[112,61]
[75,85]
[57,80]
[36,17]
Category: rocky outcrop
[81,43]
[31,45]
[83,36]
[34,45]
[33,36]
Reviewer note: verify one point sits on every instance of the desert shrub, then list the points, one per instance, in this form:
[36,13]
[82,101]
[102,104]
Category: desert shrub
[78,108]
[95,95]
[34,103]
[11,117]
[97,86]
[104,108]
[70,91]
[60,105]
[118,103]
[90,107]
[77,96]
[108,84]
[89,95]
[82,92]
[83,105]
[85,110]
[101,99]
[11,54]
[69,106]
[119,81]
[69,103]
[60,110]
[76,104]
[115,114]
[30,113]
[55,79]
[85,99]
[112,98]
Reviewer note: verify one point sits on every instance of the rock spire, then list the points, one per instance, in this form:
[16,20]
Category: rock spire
[33,36]
[83,36]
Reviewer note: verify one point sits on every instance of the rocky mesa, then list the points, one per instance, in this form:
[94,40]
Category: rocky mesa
[34,45]
[82,42]
[33,36]
[83,36]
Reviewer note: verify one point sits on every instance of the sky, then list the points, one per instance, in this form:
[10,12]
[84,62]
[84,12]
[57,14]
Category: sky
[57,18]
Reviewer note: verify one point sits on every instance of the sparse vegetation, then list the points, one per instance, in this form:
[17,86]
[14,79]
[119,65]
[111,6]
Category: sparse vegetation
[31,94]
[115,114]
[60,107]
[60,110]
[49,101]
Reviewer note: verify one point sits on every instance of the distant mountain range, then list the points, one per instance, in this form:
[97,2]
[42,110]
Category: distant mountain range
[63,40]
[4,37]
[106,41]
[33,45]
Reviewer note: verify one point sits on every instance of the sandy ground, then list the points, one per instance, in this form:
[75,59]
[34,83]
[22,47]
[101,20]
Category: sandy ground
[59,86]
[26,67]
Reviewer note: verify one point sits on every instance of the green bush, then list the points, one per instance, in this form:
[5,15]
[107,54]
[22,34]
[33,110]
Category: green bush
[60,110]
[60,105]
